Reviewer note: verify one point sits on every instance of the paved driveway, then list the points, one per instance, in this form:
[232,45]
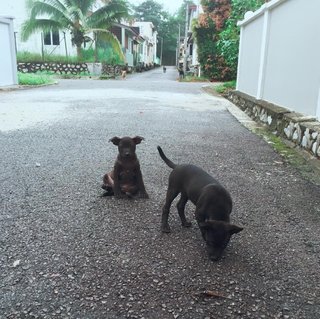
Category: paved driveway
[66,252]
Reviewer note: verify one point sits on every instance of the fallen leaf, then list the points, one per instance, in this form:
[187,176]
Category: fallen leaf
[211,294]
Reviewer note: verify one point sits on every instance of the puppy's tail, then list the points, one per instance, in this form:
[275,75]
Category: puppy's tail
[166,160]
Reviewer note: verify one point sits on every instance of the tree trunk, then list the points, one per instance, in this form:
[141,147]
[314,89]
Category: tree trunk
[95,47]
[79,52]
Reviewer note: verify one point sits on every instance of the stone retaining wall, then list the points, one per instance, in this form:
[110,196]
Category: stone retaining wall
[78,68]
[296,127]
[60,68]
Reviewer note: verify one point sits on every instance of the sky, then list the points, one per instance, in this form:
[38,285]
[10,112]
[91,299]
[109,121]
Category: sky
[169,5]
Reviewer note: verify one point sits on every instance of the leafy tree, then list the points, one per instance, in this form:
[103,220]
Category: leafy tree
[77,17]
[169,32]
[217,10]
[152,11]
[228,43]
[219,58]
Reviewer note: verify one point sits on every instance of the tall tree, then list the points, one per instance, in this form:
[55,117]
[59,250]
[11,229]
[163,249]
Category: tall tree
[76,16]
[229,37]
[150,11]
[218,35]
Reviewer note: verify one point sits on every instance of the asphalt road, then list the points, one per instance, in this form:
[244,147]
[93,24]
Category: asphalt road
[66,252]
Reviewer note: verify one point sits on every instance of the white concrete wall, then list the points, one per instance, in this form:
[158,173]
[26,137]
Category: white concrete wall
[249,59]
[8,62]
[285,33]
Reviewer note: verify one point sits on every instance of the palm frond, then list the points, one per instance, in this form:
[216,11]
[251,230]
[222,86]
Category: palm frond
[84,5]
[52,9]
[32,26]
[110,38]
[41,7]
[113,11]
[77,16]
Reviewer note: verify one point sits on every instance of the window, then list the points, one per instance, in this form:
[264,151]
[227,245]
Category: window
[47,38]
[55,38]
[51,38]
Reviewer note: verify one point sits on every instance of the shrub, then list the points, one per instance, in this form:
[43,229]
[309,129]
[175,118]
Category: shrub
[34,79]
[103,55]
[25,56]
[225,87]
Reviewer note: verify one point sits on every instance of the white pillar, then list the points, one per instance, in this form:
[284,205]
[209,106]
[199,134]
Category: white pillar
[263,54]
[318,107]
[239,57]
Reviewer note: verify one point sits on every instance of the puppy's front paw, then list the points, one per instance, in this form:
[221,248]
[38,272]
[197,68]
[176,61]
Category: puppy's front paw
[186,224]
[144,195]
[120,196]
[165,228]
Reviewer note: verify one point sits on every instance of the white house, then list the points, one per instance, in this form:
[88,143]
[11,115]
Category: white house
[188,48]
[279,55]
[139,42]
[8,61]
[58,43]
[194,11]
[131,41]
[148,53]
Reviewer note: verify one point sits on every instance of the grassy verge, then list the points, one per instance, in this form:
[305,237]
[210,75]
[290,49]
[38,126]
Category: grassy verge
[34,79]
[295,157]
[191,78]
[225,87]
[105,55]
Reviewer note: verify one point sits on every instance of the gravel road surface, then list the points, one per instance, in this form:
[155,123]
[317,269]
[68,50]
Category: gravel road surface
[67,252]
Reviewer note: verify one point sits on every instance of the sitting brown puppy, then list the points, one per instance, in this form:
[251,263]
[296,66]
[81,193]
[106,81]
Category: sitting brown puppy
[126,178]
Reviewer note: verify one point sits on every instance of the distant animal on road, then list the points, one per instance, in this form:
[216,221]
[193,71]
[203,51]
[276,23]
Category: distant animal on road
[213,205]
[125,180]
[181,73]
[124,71]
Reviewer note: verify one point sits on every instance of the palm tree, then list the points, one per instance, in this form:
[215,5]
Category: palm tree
[78,17]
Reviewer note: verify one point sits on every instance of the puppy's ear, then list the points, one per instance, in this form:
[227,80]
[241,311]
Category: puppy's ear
[233,229]
[137,139]
[115,140]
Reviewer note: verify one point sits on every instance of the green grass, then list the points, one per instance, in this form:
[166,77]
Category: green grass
[27,57]
[291,155]
[190,78]
[105,55]
[34,79]
[225,87]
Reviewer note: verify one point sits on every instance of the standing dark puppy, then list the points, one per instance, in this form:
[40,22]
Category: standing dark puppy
[212,200]
[126,177]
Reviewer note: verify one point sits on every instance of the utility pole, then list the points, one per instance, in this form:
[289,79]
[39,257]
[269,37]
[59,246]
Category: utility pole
[186,40]
[161,50]
[178,48]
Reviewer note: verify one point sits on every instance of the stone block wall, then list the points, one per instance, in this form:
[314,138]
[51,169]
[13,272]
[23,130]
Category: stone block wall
[296,127]
[77,68]
[59,68]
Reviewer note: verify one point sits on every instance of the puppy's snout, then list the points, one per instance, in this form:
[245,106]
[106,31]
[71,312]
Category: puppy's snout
[214,254]
[127,154]
[214,257]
